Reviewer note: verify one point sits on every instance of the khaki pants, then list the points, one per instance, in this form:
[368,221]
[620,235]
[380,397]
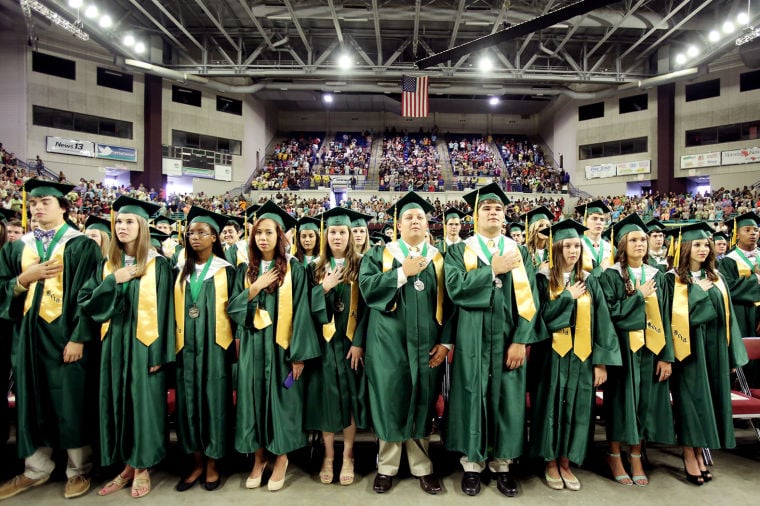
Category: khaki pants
[389,458]
[40,464]
[495,465]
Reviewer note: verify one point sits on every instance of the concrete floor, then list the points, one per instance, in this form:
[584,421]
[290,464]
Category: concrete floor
[737,481]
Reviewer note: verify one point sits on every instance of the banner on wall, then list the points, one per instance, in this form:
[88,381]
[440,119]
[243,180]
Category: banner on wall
[69,146]
[196,172]
[223,172]
[171,166]
[111,152]
[638,167]
[602,170]
[740,156]
[711,159]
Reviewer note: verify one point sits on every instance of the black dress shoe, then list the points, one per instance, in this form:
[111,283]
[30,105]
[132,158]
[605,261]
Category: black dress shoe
[506,484]
[383,483]
[430,484]
[183,486]
[471,483]
[213,485]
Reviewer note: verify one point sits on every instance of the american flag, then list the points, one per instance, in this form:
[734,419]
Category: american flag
[414,97]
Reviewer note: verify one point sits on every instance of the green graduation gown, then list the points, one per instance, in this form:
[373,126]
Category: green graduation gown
[486,410]
[205,413]
[401,331]
[54,401]
[334,391]
[564,397]
[701,383]
[268,415]
[637,405]
[745,291]
[595,256]
[132,400]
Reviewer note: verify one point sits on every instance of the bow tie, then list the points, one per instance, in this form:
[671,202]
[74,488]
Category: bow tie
[43,235]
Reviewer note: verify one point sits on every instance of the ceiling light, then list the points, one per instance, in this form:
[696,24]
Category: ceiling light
[75,4]
[128,40]
[27,6]
[139,48]
[344,62]
[680,59]
[714,36]
[328,99]
[493,100]
[485,64]
[91,12]
[742,18]
[728,27]
[692,51]
[105,21]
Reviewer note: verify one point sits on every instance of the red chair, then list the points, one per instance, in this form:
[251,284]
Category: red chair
[753,352]
[745,403]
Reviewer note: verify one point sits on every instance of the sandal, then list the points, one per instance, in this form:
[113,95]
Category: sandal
[141,485]
[114,485]
[623,479]
[326,473]
[639,479]
[347,471]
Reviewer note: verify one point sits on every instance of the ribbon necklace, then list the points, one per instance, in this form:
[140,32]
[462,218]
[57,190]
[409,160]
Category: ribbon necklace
[45,254]
[487,251]
[196,281]
[746,260]
[597,254]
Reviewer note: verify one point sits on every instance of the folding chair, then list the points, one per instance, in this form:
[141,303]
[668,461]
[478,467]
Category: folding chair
[745,403]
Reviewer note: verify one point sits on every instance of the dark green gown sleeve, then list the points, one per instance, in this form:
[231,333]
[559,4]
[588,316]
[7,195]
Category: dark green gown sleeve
[743,290]
[378,288]
[470,290]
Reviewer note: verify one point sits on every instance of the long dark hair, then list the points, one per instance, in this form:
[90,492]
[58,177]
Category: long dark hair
[351,266]
[621,257]
[300,252]
[3,234]
[556,278]
[191,257]
[683,264]
[255,256]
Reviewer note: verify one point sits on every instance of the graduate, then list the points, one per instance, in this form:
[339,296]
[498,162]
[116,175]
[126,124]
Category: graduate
[573,363]
[156,240]
[5,345]
[452,219]
[636,395]
[235,247]
[360,233]
[658,252]
[720,242]
[539,222]
[597,251]
[708,346]
[204,348]
[276,337]
[517,232]
[402,284]
[53,355]
[169,244]
[741,270]
[129,295]
[308,241]
[491,283]
[335,390]
[379,239]
[99,230]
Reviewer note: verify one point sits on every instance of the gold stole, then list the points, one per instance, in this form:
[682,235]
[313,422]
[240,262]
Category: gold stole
[328,329]
[562,339]
[680,320]
[438,265]
[654,338]
[588,263]
[744,272]
[726,307]
[51,303]
[223,329]
[525,306]
[262,320]
[147,305]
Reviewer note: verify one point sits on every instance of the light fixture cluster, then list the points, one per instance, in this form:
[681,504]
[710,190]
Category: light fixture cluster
[727,29]
[73,28]
[105,21]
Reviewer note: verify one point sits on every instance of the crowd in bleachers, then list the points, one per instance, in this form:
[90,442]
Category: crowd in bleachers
[472,156]
[291,163]
[410,163]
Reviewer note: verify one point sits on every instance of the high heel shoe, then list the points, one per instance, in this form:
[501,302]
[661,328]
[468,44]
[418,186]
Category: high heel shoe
[275,485]
[695,479]
[641,480]
[326,473]
[347,471]
[623,479]
[255,482]
[706,475]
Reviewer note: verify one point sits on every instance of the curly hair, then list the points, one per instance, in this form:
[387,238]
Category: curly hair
[255,256]
[534,239]
[621,257]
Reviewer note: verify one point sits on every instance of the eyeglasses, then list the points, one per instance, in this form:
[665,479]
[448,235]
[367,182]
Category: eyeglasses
[201,235]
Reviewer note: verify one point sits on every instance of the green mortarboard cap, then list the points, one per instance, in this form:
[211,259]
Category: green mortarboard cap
[200,215]
[453,212]
[630,223]
[7,214]
[40,188]
[343,216]
[157,234]
[720,236]
[490,191]
[97,223]
[272,211]
[567,229]
[749,219]
[359,220]
[128,205]
[252,210]
[539,213]
[377,237]
[595,207]
[411,200]
[308,223]
[655,226]
[516,226]
[696,231]
[163,219]
[238,221]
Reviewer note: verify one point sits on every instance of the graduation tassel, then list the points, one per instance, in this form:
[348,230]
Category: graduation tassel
[612,245]
[322,237]
[475,212]
[245,224]
[551,260]
[676,258]
[733,235]
[111,217]
[395,218]
[23,211]
[293,244]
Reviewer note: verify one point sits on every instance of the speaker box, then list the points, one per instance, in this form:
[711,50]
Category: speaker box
[750,53]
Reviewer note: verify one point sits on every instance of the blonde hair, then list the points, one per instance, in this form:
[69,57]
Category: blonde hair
[105,243]
[533,239]
[116,248]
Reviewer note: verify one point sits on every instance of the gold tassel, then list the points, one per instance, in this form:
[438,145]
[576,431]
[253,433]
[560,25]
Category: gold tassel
[112,215]
[245,225]
[733,235]
[475,212]
[549,245]
[322,237]
[395,219]
[676,257]
[612,244]
[23,210]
